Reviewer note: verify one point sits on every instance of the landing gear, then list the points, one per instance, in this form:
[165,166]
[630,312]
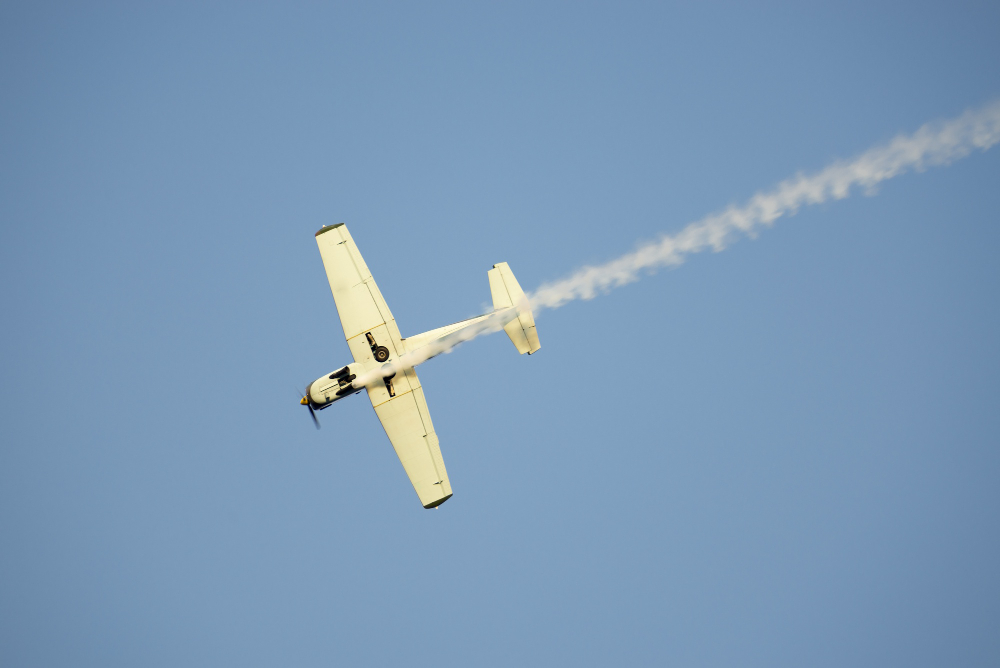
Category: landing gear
[381,353]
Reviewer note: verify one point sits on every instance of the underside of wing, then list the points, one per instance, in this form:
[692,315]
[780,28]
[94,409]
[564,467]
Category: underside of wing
[407,423]
[364,315]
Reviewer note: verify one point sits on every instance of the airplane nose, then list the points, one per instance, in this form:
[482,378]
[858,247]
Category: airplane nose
[305,401]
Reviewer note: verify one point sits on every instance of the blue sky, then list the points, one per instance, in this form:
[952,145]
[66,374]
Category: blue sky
[783,454]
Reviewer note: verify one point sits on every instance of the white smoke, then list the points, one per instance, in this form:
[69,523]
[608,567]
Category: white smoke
[933,144]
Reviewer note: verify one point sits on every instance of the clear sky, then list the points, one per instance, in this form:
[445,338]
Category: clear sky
[783,454]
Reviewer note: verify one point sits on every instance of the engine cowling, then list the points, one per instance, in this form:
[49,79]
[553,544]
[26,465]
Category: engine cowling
[336,385]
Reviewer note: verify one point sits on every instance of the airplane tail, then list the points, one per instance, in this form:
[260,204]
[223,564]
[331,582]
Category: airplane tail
[507,293]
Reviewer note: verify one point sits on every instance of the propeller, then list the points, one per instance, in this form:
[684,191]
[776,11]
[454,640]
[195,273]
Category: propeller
[305,402]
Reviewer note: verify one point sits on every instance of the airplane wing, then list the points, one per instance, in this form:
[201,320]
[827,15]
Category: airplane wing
[399,402]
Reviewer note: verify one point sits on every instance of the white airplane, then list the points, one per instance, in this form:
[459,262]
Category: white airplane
[383,360]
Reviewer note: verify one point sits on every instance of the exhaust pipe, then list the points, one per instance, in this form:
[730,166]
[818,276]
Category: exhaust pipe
[340,373]
[347,389]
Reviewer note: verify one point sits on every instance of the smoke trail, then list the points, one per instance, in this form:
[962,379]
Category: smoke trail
[933,144]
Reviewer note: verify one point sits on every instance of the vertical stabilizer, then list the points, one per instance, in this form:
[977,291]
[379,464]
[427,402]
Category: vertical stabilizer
[506,294]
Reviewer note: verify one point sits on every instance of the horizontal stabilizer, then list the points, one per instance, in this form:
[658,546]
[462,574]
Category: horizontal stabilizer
[506,294]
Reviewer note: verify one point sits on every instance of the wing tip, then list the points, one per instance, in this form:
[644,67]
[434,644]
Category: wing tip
[327,228]
[438,502]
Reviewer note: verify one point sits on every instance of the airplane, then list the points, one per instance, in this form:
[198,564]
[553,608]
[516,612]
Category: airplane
[384,361]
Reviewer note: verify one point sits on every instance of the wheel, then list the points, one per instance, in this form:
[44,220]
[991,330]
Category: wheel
[381,354]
